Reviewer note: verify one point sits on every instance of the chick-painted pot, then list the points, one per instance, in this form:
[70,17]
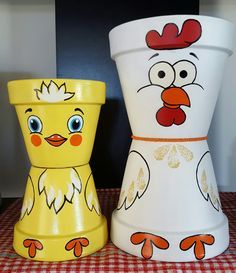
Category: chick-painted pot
[170,69]
[60,218]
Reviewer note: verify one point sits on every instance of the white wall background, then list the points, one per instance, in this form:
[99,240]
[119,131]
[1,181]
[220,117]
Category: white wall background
[28,50]
[222,134]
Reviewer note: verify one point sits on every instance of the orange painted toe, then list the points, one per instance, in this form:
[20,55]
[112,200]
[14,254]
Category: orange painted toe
[77,244]
[148,241]
[199,242]
[33,246]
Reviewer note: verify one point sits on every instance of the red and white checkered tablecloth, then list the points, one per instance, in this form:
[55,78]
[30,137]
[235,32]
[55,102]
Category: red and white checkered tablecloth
[110,258]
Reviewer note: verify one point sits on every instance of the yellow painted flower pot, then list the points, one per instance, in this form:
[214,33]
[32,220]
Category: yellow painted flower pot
[60,217]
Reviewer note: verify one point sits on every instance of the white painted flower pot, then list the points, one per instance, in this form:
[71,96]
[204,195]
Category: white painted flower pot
[170,69]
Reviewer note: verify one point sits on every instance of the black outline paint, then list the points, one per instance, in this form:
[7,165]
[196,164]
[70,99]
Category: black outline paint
[65,198]
[137,194]
[51,81]
[161,62]
[195,76]
[194,55]
[173,85]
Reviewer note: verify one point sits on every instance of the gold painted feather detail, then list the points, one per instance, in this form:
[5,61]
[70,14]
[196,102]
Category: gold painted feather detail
[173,153]
[206,181]
[135,182]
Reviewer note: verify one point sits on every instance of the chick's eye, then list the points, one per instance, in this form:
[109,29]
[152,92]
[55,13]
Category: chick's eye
[75,123]
[162,74]
[185,73]
[35,124]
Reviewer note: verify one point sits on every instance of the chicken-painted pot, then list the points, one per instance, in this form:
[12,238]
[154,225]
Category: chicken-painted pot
[170,69]
[60,217]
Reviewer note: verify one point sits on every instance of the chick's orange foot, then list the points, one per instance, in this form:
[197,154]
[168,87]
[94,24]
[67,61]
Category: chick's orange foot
[33,246]
[77,245]
[198,243]
[148,240]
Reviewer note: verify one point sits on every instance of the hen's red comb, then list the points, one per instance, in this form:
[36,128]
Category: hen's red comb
[171,38]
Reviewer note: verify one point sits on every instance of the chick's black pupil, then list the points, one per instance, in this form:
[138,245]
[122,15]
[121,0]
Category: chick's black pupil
[75,124]
[183,74]
[161,74]
[34,124]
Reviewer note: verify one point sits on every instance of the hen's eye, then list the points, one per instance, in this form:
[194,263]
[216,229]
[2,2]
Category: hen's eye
[75,123]
[185,72]
[162,74]
[35,124]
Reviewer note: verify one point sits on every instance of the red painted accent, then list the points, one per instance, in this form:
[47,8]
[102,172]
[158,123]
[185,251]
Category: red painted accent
[36,140]
[55,140]
[171,38]
[166,116]
[75,140]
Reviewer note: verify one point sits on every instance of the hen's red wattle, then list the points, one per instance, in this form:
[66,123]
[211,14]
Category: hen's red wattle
[168,116]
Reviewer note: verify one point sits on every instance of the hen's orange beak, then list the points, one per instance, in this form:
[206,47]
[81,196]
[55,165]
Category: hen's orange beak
[55,140]
[174,97]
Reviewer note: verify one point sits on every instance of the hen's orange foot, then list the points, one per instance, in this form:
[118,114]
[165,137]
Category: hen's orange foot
[148,241]
[33,246]
[198,241]
[77,244]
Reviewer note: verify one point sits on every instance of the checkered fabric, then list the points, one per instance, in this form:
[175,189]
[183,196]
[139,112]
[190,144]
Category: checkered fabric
[110,258]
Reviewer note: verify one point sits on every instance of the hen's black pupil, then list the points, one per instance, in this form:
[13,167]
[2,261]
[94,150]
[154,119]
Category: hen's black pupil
[75,124]
[34,124]
[183,74]
[161,74]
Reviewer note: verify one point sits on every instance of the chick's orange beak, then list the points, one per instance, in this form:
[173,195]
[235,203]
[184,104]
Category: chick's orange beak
[55,140]
[174,97]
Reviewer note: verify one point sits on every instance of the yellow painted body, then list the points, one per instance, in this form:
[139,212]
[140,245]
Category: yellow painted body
[56,117]
[61,217]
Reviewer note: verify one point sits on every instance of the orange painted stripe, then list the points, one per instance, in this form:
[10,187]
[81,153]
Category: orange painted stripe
[153,139]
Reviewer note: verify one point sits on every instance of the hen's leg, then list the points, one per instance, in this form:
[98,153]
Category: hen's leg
[148,240]
[198,243]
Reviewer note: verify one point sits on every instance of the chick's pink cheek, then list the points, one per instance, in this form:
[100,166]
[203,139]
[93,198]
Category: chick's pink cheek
[76,140]
[36,140]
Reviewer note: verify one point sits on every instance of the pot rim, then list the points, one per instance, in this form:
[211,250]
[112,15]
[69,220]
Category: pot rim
[120,41]
[37,91]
